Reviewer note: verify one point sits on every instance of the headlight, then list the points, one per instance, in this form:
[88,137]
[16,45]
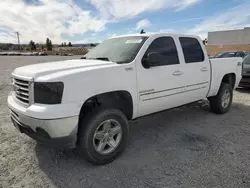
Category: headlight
[48,92]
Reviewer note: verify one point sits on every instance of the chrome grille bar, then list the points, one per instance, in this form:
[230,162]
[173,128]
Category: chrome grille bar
[21,90]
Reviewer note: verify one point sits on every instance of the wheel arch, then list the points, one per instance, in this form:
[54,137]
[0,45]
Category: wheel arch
[119,99]
[230,79]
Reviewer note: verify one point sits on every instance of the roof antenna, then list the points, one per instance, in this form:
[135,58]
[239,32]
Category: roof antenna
[142,31]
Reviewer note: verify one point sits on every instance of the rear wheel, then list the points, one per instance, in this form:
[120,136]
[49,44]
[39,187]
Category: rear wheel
[221,103]
[103,135]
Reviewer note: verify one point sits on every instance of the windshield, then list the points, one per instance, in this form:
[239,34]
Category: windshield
[225,54]
[119,50]
[246,59]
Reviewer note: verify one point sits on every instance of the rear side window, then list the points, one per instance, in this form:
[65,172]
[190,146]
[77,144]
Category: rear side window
[192,50]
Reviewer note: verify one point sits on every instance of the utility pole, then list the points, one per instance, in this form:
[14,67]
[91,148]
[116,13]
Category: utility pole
[17,34]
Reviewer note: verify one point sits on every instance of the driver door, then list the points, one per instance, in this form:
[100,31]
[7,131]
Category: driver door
[160,86]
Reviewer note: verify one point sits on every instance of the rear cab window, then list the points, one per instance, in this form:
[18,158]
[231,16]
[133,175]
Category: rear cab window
[192,50]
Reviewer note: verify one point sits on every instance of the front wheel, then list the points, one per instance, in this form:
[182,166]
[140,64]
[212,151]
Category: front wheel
[103,135]
[221,103]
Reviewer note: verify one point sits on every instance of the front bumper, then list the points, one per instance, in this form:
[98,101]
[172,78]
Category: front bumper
[43,137]
[54,132]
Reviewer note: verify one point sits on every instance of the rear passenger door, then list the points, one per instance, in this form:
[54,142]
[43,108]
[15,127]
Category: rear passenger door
[196,69]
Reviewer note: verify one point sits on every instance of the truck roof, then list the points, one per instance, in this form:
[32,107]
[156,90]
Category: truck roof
[155,34]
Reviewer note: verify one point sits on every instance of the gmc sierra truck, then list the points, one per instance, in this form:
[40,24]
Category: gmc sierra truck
[87,103]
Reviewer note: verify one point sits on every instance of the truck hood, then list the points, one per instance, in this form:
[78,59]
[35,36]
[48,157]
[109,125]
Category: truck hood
[41,69]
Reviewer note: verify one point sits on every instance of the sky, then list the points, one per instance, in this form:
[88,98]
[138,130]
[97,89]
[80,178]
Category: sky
[89,21]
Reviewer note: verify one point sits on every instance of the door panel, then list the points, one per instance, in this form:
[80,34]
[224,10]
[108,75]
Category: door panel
[199,81]
[196,68]
[160,91]
[160,87]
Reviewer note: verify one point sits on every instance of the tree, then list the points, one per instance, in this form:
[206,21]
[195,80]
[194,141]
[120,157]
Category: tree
[27,48]
[64,44]
[70,44]
[32,45]
[48,44]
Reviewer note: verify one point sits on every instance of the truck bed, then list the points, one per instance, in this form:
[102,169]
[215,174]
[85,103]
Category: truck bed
[221,66]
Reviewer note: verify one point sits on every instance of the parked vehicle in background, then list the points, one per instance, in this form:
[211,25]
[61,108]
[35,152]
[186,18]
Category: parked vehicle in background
[227,54]
[88,102]
[27,53]
[16,53]
[3,53]
[66,54]
[245,81]
[35,53]
[43,54]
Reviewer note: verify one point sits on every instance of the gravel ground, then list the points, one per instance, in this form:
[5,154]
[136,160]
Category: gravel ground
[184,147]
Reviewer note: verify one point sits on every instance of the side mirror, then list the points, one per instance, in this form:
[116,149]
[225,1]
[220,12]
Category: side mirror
[153,59]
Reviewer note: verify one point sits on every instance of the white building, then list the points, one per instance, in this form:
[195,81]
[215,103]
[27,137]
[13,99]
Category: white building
[241,36]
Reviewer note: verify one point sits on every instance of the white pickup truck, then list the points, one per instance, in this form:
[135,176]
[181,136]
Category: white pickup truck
[87,103]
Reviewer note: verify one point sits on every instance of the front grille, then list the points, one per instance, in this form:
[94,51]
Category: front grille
[21,90]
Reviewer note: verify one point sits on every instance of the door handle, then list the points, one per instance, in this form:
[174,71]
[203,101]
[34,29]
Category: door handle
[177,73]
[204,69]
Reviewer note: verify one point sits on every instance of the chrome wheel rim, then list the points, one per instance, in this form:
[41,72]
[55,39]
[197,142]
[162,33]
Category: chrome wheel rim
[226,98]
[107,137]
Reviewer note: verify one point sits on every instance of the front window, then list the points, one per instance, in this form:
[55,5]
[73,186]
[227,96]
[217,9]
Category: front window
[119,50]
[166,48]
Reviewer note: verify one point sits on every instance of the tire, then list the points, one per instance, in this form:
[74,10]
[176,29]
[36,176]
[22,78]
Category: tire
[87,131]
[217,104]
